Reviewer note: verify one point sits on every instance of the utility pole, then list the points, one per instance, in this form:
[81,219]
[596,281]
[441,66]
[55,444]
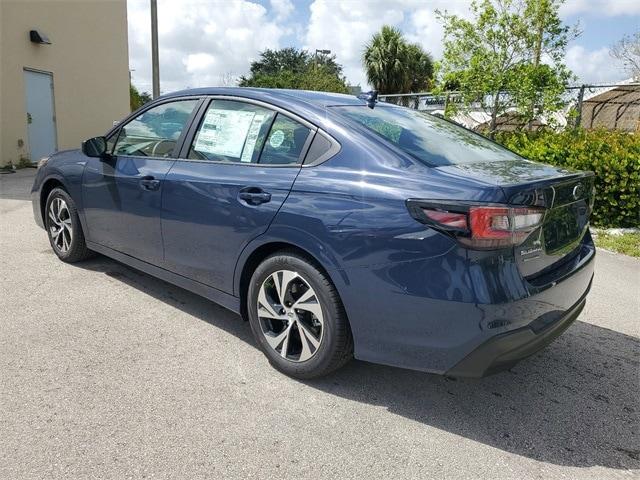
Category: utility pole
[541,10]
[155,67]
[578,121]
[322,52]
[540,27]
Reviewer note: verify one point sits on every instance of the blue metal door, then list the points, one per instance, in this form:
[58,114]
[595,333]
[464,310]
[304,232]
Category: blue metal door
[41,122]
[122,204]
[238,172]
[209,215]
[122,193]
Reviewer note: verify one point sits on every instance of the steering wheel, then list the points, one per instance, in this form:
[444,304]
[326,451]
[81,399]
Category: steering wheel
[169,145]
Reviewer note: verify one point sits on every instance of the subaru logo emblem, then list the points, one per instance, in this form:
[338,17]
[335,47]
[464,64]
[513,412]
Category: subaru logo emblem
[577,191]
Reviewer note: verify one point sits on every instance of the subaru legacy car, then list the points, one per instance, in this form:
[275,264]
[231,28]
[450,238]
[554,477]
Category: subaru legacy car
[338,226]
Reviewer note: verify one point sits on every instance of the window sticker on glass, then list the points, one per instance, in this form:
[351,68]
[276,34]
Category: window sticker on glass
[224,132]
[276,139]
[252,137]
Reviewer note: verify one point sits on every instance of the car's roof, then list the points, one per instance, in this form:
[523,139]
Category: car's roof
[320,99]
[308,104]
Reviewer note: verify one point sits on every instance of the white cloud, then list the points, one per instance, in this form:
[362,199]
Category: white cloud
[282,8]
[426,31]
[594,66]
[345,27]
[210,43]
[610,8]
[200,43]
[199,63]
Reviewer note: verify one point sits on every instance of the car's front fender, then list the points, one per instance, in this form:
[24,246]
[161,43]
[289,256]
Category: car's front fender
[66,169]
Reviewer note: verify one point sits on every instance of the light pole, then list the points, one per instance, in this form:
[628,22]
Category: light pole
[155,67]
[323,52]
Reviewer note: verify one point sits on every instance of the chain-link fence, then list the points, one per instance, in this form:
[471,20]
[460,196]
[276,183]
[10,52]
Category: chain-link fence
[610,106]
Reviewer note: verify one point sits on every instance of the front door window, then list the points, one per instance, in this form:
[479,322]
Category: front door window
[155,132]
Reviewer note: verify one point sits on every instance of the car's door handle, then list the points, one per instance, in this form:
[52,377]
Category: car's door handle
[149,182]
[254,195]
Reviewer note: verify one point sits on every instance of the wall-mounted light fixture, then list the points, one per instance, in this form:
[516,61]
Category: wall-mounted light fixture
[38,37]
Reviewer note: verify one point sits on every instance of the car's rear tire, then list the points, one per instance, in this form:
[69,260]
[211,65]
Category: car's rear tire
[63,227]
[297,317]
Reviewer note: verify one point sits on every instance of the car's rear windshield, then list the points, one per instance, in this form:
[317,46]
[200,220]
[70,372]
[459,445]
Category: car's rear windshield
[429,139]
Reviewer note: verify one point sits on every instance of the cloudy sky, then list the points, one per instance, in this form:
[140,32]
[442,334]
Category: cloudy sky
[212,42]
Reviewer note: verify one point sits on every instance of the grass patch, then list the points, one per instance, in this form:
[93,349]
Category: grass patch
[627,243]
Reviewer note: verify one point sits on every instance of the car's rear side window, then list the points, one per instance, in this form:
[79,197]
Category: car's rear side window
[429,139]
[285,142]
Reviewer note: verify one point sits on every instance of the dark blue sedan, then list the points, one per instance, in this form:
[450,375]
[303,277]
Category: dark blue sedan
[339,227]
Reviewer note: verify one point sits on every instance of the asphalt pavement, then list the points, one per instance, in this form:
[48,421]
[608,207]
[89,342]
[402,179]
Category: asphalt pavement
[106,372]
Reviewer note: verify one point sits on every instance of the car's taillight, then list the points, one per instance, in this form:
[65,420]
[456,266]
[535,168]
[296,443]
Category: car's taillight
[478,226]
[449,219]
[495,227]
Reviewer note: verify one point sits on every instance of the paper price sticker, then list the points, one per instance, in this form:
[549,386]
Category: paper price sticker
[252,138]
[224,132]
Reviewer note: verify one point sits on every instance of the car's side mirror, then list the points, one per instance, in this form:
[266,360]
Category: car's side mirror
[95,147]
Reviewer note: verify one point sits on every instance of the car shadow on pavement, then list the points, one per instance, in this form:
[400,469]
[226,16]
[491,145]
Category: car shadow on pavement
[576,403]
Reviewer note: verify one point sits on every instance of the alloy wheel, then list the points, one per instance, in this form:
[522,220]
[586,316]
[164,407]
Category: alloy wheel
[290,315]
[60,227]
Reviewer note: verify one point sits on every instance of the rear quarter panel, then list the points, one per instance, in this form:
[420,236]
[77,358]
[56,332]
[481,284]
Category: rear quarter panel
[350,214]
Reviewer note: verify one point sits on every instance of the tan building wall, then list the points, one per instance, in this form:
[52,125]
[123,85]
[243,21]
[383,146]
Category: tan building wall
[88,58]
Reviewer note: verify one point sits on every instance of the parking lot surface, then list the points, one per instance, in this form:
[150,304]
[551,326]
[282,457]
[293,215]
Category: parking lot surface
[106,372]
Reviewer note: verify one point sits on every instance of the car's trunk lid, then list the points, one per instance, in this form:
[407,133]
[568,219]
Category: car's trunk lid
[566,196]
[568,202]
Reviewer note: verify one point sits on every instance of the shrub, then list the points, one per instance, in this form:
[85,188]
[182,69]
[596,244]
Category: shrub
[613,156]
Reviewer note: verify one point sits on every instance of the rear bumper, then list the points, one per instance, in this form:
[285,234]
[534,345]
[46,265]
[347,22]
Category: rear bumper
[487,316]
[505,350]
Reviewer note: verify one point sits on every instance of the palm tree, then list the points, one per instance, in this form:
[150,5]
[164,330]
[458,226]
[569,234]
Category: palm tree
[384,61]
[394,66]
[420,68]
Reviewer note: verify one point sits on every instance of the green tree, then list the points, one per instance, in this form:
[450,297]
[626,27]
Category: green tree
[393,65]
[320,79]
[510,54]
[297,69]
[272,62]
[137,99]
[420,69]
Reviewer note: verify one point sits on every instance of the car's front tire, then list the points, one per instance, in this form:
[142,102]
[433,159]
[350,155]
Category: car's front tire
[63,227]
[297,317]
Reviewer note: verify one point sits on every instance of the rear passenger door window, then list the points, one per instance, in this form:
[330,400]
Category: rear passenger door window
[244,133]
[231,131]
